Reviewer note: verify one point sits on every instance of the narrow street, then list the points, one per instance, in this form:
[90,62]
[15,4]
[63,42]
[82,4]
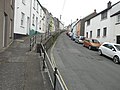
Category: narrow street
[84,69]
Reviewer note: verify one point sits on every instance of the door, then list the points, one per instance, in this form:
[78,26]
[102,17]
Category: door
[5,30]
[28,24]
[118,40]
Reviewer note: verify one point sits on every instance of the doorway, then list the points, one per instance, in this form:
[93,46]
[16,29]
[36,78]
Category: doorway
[5,30]
[118,40]
[28,25]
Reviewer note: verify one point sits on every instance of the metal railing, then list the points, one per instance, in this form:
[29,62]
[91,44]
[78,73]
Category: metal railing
[55,77]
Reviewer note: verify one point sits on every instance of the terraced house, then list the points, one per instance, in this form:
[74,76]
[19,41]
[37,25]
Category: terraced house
[6,22]
[29,17]
[105,26]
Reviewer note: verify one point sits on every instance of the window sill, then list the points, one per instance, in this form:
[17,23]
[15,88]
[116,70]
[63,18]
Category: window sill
[117,23]
[33,24]
[22,26]
[23,3]
[104,36]
[103,19]
[34,8]
[98,36]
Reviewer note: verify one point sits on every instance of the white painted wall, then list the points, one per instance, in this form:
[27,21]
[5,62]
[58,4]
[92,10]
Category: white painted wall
[28,9]
[97,23]
[25,8]
[36,25]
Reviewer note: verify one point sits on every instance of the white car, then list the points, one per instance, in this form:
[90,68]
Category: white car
[111,50]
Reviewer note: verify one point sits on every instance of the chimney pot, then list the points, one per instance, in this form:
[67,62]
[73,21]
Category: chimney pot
[109,4]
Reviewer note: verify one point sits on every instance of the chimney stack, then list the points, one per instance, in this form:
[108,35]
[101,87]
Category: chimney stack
[95,10]
[109,4]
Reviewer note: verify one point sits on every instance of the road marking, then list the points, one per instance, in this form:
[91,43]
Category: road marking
[54,64]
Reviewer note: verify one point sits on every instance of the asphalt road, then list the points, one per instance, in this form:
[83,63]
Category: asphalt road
[84,69]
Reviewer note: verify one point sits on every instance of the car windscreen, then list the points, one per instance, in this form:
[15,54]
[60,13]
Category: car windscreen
[82,38]
[118,47]
[95,41]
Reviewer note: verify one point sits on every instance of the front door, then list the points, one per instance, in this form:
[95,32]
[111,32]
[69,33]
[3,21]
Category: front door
[5,30]
[118,40]
[28,24]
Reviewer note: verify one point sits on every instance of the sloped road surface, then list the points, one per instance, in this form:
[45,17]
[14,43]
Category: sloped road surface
[84,69]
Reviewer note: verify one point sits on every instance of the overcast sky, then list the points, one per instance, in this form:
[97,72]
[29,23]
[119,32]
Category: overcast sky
[73,9]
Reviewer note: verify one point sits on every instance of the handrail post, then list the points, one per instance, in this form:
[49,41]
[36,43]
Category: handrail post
[55,72]
[30,43]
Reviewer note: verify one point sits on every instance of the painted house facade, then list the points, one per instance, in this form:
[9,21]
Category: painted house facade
[79,27]
[6,22]
[36,17]
[22,17]
[105,26]
[29,17]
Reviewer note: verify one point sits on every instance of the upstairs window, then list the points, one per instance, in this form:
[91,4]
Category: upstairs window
[23,1]
[33,19]
[98,32]
[86,34]
[22,18]
[105,32]
[118,18]
[34,4]
[11,3]
[37,7]
[90,34]
[88,22]
[104,15]
[41,12]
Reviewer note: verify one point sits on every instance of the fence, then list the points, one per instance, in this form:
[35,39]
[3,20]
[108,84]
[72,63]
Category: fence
[55,77]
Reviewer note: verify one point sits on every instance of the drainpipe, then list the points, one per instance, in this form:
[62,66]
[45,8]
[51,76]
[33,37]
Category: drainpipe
[30,23]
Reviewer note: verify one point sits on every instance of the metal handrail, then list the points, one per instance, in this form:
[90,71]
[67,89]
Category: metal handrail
[55,76]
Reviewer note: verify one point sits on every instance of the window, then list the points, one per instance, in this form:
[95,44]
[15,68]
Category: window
[23,1]
[88,22]
[34,4]
[104,32]
[118,18]
[104,15]
[22,18]
[98,33]
[41,12]
[105,45]
[36,23]
[90,34]
[33,19]
[40,25]
[118,47]
[37,7]
[86,34]
[11,3]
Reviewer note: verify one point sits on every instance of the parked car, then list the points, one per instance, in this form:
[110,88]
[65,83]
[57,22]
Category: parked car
[73,37]
[80,39]
[91,43]
[111,50]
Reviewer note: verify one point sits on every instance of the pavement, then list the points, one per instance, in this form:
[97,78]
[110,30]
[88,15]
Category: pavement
[21,69]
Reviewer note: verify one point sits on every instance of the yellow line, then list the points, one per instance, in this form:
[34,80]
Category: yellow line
[53,62]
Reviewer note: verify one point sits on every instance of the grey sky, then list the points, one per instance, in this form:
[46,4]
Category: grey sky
[73,9]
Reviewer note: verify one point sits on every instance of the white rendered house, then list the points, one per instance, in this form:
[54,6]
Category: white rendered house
[105,26]
[29,17]
[22,17]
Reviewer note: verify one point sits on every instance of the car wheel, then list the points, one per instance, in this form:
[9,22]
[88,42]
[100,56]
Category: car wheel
[90,47]
[100,52]
[116,59]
